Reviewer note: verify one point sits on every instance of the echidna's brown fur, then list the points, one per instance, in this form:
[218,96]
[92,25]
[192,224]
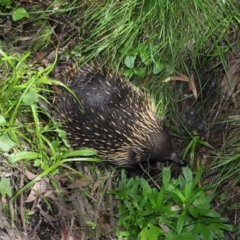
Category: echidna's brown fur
[116,119]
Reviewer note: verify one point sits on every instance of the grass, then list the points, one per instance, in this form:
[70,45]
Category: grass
[147,41]
[26,121]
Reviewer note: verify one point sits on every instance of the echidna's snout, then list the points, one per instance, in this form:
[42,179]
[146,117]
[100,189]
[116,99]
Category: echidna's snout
[175,158]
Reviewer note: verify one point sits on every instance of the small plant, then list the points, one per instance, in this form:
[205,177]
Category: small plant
[17,13]
[192,146]
[143,54]
[179,210]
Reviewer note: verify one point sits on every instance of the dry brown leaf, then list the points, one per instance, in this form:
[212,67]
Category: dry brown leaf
[47,216]
[64,233]
[25,38]
[37,189]
[175,208]
[231,79]
[164,227]
[9,232]
[78,183]
[184,78]
[30,175]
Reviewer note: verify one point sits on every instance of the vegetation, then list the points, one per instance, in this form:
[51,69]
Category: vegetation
[185,53]
[180,208]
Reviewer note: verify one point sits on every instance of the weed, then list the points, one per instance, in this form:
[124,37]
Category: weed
[180,209]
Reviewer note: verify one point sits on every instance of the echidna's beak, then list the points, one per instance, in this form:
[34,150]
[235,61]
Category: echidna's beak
[175,158]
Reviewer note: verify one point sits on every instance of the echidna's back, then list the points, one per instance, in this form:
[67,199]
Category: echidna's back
[113,118]
[104,119]
[102,90]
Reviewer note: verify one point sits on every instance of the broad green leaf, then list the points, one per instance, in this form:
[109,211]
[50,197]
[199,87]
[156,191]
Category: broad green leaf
[176,192]
[181,221]
[5,3]
[199,227]
[206,233]
[226,227]
[37,163]
[150,232]
[183,236]
[182,181]
[176,198]
[128,72]
[86,152]
[15,157]
[5,188]
[140,72]
[129,61]
[198,176]
[207,212]
[188,176]
[145,187]
[30,98]
[2,120]
[6,143]
[158,66]
[193,212]
[166,175]
[160,196]
[144,54]
[19,13]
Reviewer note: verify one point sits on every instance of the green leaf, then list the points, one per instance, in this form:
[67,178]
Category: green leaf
[140,72]
[176,198]
[160,197]
[226,227]
[5,3]
[199,227]
[193,212]
[181,221]
[129,61]
[2,120]
[178,193]
[206,233]
[6,143]
[19,13]
[182,236]
[30,98]
[166,175]
[150,232]
[128,72]
[5,188]
[86,152]
[201,200]
[187,149]
[15,157]
[146,189]
[198,176]
[204,143]
[144,54]
[37,163]
[188,176]
[207,212]
[158,66]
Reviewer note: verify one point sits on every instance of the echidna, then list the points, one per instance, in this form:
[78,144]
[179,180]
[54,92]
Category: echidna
[116,119]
